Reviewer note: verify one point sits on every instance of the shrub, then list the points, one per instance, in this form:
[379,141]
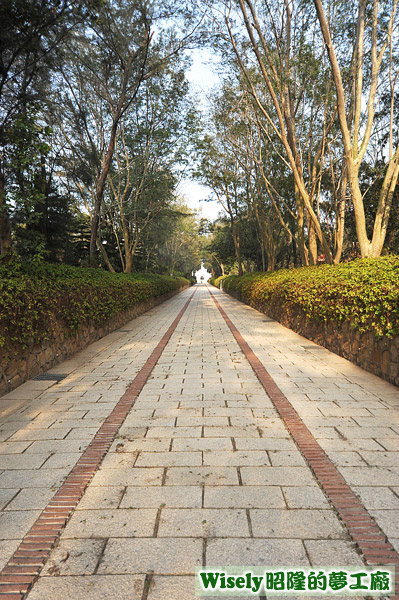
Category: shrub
[364,292]
[216,280]
[33,297]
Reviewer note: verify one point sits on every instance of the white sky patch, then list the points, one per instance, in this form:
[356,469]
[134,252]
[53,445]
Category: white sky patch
[202,77]
[194,193]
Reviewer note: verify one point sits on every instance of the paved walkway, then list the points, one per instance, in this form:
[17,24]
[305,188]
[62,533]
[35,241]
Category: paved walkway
[203,469]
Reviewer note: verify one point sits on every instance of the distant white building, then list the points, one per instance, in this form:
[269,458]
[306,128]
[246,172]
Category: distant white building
[202,275]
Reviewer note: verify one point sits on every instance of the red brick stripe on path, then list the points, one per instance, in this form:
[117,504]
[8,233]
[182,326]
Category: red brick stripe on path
[364,531]
[24,567]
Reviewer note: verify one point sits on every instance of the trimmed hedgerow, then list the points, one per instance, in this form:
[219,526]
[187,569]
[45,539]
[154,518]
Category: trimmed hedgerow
[34,297]
[364,292]
[216,280]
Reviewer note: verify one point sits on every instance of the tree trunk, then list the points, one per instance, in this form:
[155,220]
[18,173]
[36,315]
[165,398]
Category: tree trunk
[236,239]
[358,207]
[95,220]
[303,251]
[312,241]
[105,255]
[262,246]
[340,227]
[5,229]
[128,262]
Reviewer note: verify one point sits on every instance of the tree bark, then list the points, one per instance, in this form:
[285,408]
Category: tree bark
[236,240]
[105,256]
[5,229]
[340,227]
[128,262]
[95,220]
[312,241]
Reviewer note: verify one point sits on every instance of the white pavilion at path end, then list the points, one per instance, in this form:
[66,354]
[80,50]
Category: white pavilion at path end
[202,275]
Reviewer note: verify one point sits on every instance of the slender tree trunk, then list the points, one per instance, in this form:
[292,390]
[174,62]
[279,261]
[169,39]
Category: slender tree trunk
[294,252]
[105,256]
[312,241]
[236,240]
[101,182]
[340,227]
[303,251]
[128,262]
[384,205]
[5,229]
[262,247]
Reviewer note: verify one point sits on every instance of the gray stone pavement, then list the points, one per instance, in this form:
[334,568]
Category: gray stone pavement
[203,470]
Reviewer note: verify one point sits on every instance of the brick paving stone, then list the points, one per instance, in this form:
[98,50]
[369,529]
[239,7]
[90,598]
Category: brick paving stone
[104,587]
[6,495]
[102,497]
[181,587]
[304,497]
[203,523]
[202,475]
[205,444]
[15,523]
[74,557]
[26,500]
[7,547]
[332,552]
[378,497]
[281,523]
[247,496]
[110,523]
[153,554]
[28,478]
[276,476]
[128,476]
[256,552]
[169,459]
[161,496]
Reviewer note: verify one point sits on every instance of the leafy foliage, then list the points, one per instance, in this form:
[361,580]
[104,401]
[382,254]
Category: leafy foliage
[364,292]
[35,297]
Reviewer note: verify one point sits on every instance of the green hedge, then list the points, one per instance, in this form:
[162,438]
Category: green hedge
[364,292]
[216,280]
[35,297]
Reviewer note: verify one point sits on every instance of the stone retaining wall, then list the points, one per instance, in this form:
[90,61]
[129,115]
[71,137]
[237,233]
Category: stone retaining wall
[39,359]
[378,356]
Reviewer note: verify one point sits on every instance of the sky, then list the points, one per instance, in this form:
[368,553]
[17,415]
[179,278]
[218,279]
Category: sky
[202,78]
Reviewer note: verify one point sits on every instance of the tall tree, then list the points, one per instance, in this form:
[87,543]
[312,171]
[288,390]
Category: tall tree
[31,32]
[105,69]
[375,55]
[280,37]
[105,65]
